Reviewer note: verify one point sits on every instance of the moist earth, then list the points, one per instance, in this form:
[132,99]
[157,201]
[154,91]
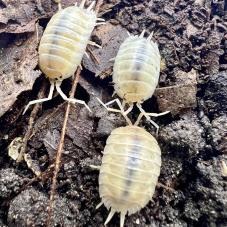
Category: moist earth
[192,37]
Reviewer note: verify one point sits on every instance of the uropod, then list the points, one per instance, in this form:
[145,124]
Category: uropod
[129,171]
[135,75]
[63,45]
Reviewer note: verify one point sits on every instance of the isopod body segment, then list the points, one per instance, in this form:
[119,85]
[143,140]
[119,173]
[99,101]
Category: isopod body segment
[64,41]
[63,45]
[136,69]
[129,171]
[135,76]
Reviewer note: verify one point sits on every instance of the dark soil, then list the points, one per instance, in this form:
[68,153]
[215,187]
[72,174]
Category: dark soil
[192,35]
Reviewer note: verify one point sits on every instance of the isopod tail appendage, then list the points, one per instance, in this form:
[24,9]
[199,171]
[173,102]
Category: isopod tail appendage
[111,214]
[148,115]
[120,110]
[122,219]
[50,96]
[72,100]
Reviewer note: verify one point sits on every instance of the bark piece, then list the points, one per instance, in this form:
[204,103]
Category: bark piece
[180,96]
[17,73]
[110,37]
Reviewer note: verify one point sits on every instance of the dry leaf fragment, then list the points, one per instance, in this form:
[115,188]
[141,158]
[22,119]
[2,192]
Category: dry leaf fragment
[14,148]
[17,72]
[180,96]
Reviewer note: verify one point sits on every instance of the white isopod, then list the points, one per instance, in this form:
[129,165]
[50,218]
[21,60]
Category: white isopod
[135,75]
[129,171]
[63,45]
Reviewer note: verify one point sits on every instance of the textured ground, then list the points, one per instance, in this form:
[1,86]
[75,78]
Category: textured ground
[192,38]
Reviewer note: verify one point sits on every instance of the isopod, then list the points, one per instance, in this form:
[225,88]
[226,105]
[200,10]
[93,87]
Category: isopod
[129,171]
[136,74]
[63,45]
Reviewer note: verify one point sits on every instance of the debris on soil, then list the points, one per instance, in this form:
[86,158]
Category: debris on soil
[110,37]
[14,148]
[33,165]
[179,97]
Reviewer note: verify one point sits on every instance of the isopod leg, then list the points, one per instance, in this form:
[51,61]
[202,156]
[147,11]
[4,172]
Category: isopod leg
[99,205]
[100,19]
[142,33]
[147,115]
[91,6]
[120,110]
[58,84]
[95,167]
[150,36]
[41,100]
[128,110]
[112,59]
[82,4]
[100,23]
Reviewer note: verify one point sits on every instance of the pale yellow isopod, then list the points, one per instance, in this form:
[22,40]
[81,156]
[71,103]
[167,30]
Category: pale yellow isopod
[63,45]
[135,75]
[129,171]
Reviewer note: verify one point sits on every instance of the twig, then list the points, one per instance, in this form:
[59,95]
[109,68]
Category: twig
[31,122]
[61,143]
[93,56]
[60,148]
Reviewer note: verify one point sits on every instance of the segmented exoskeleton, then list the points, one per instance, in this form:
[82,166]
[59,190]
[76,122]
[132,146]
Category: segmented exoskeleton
[136,74]
[63,45]
[129,171]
